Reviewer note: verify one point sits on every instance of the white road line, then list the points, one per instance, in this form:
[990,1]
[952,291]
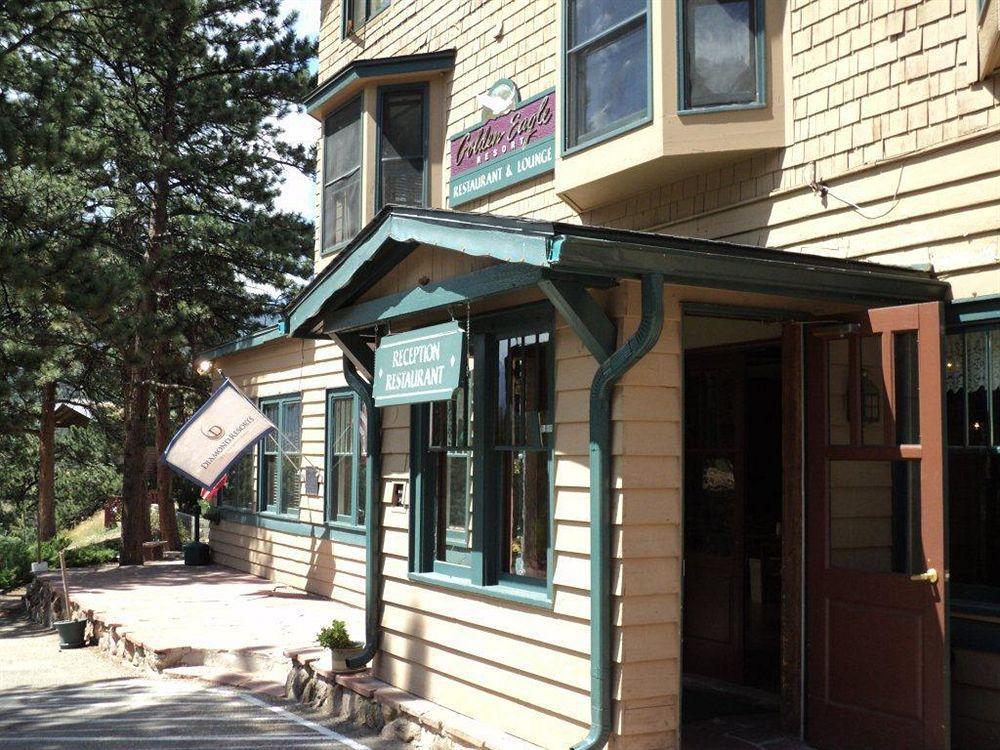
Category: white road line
[318,728]
[214,738]
[126,719]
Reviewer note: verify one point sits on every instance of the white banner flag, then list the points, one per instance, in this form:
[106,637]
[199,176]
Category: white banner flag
[216,436]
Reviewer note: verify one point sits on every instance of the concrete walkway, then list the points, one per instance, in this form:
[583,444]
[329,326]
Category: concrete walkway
[230,627]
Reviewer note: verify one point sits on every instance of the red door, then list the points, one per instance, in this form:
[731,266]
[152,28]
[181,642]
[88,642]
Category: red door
[877,655]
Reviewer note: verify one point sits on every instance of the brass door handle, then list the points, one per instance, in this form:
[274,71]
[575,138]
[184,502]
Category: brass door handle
[930,576]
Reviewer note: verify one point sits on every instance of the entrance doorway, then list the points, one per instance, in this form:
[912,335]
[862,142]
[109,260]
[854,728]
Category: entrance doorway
[733,510]
[732,515]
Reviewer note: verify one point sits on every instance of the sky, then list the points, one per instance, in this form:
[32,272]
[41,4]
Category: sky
[298,192]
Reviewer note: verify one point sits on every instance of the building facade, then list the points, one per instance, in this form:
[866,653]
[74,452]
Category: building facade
[584,191]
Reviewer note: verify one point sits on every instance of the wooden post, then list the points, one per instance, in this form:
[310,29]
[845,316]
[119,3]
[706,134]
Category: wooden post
[62,566]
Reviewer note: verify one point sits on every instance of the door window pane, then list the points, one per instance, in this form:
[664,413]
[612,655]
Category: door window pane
[523,427]
[838,365]
[720,52]
[402,148]
[607,66]
[873,402]
[342,175]
[907,388]
[451,446]
[874,516]
[976,378]
[954,368]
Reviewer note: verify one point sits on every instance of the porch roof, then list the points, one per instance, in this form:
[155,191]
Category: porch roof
[593,256]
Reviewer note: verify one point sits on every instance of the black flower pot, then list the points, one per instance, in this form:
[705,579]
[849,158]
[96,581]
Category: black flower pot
[70,633]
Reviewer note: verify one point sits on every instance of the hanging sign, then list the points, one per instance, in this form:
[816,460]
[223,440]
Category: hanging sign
[418,366]
[506,149]
[216,436]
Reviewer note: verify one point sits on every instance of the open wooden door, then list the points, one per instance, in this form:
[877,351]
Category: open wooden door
[713,516]
[875,512]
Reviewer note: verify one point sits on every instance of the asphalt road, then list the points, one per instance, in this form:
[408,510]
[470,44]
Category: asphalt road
[52,699]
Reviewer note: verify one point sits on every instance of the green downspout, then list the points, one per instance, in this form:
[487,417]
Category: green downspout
[373,518]
[608,373]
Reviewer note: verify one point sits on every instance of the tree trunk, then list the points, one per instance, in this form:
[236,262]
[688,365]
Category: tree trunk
[47,464]
[164,501]
[134,503]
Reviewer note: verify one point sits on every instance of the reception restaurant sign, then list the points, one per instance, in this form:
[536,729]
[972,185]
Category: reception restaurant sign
[418,366]
[506,149]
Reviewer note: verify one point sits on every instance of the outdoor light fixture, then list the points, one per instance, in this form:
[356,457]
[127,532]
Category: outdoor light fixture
[204,367]
[871,400]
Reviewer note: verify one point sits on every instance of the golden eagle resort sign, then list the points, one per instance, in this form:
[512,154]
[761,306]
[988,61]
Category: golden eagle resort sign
[504,150]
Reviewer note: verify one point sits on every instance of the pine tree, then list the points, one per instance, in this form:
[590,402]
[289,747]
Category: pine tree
[190,92]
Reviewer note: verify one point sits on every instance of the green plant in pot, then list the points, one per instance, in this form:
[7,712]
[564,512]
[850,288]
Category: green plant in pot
[342,647]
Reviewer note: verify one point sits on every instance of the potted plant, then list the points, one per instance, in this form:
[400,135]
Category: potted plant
[70,631]
[335,637]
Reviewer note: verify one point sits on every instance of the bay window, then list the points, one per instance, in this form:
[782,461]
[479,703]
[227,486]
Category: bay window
[402,147]
[342,192]
[721,53]
[482,465]
[607,64]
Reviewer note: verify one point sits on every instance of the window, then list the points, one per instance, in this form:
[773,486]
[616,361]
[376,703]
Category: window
[281,457]
[402,147]
[347,458]
[238,492]
[484,462]
[972,395]
[721,53]
[342,176]
[358,12]
[607,67]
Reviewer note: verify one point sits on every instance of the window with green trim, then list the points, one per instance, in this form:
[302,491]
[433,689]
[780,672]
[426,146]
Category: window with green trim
[402,146]
[356,13]
[342,176]
[721,49]
[483,461]
[346,458]
[972,397]
[238,492]
[607,67]
[280,454]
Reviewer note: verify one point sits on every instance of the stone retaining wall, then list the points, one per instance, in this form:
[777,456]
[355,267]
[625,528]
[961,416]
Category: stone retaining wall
[394,713]
[44,605]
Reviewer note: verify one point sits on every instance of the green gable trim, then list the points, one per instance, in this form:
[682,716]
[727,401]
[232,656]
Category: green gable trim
[288,525]
[250,341]
[597,254]
[401,230]
[376,68]
[457,290]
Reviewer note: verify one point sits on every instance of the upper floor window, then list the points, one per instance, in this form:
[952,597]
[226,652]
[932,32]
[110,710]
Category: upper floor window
[607,67]
[357,13]
[281,456]
[721,53]
[342,175]
[346,457]
[402,147]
